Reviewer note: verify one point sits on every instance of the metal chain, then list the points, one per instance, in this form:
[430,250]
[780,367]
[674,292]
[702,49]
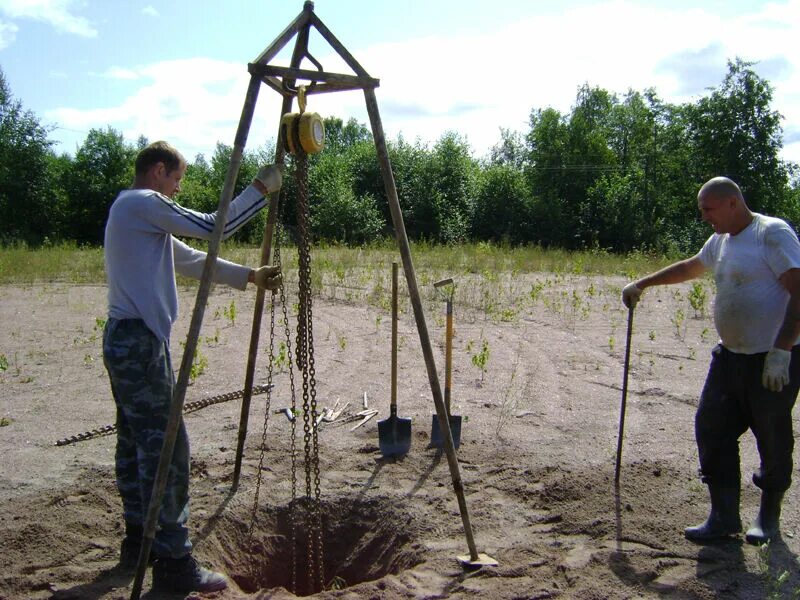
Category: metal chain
[263,452]
[288,336]
[305,358]
[189,407]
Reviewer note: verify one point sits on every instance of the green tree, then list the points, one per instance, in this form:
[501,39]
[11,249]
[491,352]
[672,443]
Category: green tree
[338,214]
[103,166]
[504,206]
[735,132]
[26,199]
[451,177]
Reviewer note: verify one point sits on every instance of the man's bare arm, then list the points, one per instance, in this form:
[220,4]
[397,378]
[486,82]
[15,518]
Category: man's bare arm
[790,328]
[678,272]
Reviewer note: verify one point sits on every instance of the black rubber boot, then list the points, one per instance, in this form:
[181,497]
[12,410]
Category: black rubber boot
[767,524]
[723,520]
[185,575]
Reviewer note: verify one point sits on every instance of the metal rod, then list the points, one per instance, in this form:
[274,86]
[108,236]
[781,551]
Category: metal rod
[179,393]
[300,47]
[419,315]
[621,433]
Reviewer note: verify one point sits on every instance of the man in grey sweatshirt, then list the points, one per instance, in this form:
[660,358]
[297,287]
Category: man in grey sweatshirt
[141,259]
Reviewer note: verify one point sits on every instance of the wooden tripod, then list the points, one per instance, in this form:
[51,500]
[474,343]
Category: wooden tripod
[283,80]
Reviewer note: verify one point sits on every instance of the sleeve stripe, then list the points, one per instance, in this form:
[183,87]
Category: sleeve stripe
[245,216]
[207,224]
[189,215]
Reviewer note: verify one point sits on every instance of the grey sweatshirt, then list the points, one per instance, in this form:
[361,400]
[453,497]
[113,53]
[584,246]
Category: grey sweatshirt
[142,257]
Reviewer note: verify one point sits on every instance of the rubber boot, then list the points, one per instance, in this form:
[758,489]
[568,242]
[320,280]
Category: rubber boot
[185,575]
[723,520]
[767,524]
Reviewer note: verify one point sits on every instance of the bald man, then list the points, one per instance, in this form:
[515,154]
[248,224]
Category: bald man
[754,375]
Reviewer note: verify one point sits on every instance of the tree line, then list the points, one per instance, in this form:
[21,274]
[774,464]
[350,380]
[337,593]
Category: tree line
[615,172]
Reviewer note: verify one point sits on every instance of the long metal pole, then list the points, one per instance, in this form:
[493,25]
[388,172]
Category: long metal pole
[419,315]
[179,393]
[621,432]
[301,45]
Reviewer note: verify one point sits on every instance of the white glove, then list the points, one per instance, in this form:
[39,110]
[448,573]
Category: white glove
[268,277]
[776,369]
[631,294]
[270,176]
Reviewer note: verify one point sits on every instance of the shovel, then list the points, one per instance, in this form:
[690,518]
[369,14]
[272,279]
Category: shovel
[394,433]
[624,395]
[437,440]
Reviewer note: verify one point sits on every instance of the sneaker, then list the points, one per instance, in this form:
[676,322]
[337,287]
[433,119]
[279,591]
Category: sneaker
[186,575]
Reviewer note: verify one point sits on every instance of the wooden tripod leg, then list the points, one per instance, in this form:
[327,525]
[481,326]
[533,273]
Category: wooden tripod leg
[419,315]
[176,408]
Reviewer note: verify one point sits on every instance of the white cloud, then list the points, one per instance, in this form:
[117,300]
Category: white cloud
[57,13]
[193,103]
[477,83]
[8,33]
[121,73]
[150,11]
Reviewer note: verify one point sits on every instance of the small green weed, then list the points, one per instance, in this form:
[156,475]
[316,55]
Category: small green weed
[773,581]
[3,362]
[5,421]
[481,359]
[199,362]
[697,298]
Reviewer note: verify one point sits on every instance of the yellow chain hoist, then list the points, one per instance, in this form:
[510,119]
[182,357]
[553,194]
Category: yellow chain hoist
[303,130]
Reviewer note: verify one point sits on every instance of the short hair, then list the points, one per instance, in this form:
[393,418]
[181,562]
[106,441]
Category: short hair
[158,152]
[720,187]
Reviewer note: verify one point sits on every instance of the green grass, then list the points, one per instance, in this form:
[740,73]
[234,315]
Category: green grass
[66,262]
[72,264]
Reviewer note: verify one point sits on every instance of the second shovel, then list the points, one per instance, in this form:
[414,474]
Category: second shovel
[448,288]
[394,433]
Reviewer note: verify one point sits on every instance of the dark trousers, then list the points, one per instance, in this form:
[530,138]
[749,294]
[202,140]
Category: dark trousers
[734,400]
[142,381]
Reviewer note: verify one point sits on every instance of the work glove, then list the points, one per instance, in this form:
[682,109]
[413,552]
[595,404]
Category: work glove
[268,277]
[271,177]
[631,294]
[776,369]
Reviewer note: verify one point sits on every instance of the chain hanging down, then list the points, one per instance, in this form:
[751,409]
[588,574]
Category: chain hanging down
[277,261]
[305,363]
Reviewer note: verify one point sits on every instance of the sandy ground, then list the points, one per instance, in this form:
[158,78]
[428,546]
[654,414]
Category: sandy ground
[537,453]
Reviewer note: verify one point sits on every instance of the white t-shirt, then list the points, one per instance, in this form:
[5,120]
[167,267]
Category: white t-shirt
[751,303]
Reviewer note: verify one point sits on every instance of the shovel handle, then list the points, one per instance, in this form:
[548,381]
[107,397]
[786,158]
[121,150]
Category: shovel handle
[448,356]
[393,406]
[621,433]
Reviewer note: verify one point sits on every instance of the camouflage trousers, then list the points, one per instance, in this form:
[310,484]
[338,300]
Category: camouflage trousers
[142,381]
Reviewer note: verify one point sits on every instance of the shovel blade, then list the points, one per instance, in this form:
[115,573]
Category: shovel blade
[394,436]
[437,438]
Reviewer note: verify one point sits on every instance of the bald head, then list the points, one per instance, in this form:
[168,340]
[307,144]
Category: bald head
[722,206]
[721,188]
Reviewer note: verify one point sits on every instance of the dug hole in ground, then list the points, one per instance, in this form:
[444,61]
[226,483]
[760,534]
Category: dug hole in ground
[537,451]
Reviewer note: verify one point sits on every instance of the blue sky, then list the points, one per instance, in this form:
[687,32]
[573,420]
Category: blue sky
[176,70]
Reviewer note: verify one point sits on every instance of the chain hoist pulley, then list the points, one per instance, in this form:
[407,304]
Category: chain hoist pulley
[303,130]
